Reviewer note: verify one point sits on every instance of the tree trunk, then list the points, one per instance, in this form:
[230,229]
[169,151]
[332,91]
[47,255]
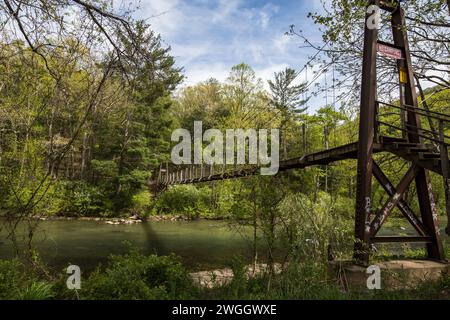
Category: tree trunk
[325,133]
[255,226]
[83,155]
[126,135]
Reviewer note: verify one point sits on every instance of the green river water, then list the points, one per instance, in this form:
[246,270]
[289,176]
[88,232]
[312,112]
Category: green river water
[202,244]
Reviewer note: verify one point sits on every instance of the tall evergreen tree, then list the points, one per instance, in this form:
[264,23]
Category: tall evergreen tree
[287,98]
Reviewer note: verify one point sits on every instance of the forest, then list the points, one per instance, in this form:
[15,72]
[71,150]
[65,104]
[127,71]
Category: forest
[90,96]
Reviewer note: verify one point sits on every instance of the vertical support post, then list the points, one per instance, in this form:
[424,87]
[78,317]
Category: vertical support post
[201,171]
[167,172]
[424,189]
[445,171]
[158,180]
[365,144]
[304,138]
[376,125]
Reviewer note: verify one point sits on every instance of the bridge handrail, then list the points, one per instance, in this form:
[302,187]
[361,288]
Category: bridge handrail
[428,113]
[414,133]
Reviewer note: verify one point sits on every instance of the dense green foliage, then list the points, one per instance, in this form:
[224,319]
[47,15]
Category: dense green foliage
[185,200]
[134,276]
[112,147]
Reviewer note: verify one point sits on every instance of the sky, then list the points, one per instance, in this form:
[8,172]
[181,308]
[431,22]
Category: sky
[208,37]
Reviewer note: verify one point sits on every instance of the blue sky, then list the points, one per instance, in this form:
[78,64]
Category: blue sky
[208,37]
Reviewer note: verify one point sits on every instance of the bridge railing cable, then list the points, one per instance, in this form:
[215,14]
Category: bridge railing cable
[170,174]
[419,111]
[437,137]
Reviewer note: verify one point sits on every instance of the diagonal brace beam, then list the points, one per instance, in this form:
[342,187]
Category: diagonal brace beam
[403,206]
[395,199]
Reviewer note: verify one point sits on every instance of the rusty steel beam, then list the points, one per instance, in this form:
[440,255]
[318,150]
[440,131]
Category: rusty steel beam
[402,205]
[443,150]
[389,5]
[365,144]
[423,184]
[394,199]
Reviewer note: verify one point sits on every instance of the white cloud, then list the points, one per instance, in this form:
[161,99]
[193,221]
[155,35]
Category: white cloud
[209,37]
[281,42]
[266,14]
[203,72]
[192,51]
[164,15]
[225,9]
[267,73]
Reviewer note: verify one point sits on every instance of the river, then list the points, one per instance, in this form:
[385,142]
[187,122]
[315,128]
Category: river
[202,244]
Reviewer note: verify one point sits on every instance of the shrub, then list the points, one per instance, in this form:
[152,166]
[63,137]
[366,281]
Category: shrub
[9,279]
[141,203]
[18,283]
[82,199]
[310,227]
[185,199]
[36,290]
[125,187]
[232,199]
[135,276]
[301,280]
[104,168]
[304,280]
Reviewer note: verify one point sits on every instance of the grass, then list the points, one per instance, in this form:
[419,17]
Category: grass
[136,276]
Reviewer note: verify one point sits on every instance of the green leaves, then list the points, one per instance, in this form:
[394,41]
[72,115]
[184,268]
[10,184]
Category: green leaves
[286,96]
[105,168]
[135,277]
[185,200]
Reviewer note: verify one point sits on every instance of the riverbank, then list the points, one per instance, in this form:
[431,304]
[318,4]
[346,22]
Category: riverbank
[220,277]
[125,277]
[131,219]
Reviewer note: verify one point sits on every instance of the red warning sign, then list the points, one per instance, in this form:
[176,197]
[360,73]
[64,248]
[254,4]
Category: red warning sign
[389,51]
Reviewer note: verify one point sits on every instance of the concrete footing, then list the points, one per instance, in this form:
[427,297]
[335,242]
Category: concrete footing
[394,274]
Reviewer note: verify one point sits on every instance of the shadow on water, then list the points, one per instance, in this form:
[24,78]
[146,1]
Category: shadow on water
[153,244]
